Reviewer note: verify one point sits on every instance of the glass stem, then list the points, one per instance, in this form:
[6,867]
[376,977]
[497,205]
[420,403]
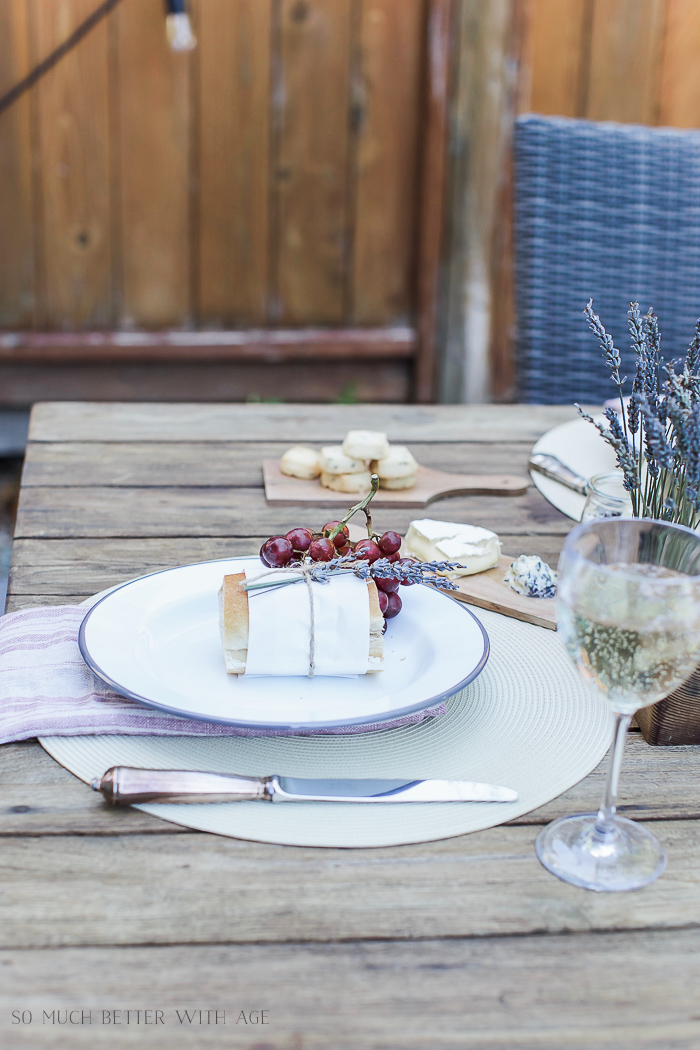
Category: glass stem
[605,822]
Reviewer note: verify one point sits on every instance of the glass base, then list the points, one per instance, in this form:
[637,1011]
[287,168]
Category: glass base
[626,858]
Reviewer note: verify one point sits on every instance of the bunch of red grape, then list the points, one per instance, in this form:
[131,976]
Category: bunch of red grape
[298,543]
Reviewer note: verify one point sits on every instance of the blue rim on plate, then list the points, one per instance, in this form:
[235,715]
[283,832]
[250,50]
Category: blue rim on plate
[374,719]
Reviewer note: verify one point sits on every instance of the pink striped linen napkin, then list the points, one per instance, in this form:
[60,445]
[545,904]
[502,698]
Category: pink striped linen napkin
[47,690]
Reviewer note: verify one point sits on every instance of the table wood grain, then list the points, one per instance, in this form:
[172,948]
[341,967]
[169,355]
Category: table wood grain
[466,942]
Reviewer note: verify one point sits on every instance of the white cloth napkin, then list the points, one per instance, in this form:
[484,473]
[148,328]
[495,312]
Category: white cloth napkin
[47,690]
[279,627]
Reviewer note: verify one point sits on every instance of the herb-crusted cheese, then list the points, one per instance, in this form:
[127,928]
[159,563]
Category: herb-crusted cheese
[398,463]
[531,576]
[475,548]
[365,444]
[301,462]
[334,461]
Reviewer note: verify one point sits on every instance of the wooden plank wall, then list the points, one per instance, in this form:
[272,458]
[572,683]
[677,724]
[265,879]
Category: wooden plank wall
[270,177]
[633,61]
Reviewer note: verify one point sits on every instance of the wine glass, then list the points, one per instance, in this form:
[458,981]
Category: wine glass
[628,611]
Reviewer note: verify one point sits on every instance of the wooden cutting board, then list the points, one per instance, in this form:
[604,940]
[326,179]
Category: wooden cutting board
[488,591]
[430,485]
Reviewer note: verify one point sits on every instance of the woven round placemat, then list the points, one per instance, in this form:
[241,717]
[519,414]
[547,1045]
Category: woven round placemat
[526,722]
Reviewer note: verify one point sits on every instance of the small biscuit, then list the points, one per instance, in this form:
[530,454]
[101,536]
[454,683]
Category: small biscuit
[301,462]
[365,444]
[334,461]
[395,484]
[399,463]
[347,482]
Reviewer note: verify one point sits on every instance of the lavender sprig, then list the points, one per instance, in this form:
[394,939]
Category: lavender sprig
[639,345]
[610,352]
[692,358]
[692,464]
[615,436]
[417,572]
[323,572]
[652,379]
[659,450]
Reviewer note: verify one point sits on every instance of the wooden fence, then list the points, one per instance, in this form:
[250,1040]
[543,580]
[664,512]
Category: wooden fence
[634,61]
[272,178]
[276,195]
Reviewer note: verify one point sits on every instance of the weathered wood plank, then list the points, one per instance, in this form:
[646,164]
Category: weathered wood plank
[139,512]
[310,161]
[603,991]
[234,67]
[154,135]
[115,421]
[223,463]
[262,345]
[303,381]
[84,567]
[40,797]
[73,115]
[503,321]
[27,601]
[679,95]
[559,51]
[658,783]
[478,161]
[625,60]
[490,883]
[386,112]
[17,291]
[432,190]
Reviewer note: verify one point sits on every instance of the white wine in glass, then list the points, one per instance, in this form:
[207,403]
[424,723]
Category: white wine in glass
[628,612]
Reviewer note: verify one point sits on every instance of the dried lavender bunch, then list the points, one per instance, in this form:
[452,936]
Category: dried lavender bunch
[656,435]
[413,572]
[416,572]
[321,572]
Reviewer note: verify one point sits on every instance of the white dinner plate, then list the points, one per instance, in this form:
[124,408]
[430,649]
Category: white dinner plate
[579,445]
[156,640]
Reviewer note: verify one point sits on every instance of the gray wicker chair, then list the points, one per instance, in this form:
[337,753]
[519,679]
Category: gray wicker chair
[608,211]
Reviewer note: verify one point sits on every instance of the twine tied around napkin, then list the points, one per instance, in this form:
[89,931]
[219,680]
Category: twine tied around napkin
[304,571]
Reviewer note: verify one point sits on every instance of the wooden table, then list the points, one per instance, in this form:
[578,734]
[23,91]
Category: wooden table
[462,943]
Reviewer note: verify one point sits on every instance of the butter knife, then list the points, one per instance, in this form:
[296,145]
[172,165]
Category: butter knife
[123,785]
[551,467]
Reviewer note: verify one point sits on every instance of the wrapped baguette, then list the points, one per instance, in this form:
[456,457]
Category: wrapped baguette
[233,625]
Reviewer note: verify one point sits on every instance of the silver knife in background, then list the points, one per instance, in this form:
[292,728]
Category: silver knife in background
[123,785]
[553,468]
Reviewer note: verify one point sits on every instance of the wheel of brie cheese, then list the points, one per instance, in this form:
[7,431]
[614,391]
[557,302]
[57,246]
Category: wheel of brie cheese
[475,548]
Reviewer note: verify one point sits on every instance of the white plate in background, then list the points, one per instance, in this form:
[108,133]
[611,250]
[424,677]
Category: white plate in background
[579,445]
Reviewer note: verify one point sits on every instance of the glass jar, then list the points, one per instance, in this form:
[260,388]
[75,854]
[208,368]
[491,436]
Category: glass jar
[606,497]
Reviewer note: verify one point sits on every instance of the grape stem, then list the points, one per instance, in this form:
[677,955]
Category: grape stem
[362,505]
